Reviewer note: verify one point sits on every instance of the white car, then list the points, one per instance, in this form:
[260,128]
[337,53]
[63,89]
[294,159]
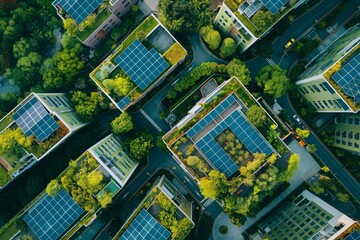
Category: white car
[297,119]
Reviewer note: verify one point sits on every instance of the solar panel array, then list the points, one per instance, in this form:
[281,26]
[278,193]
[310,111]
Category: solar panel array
[79,10]
[274,5]
[348,78]
[238,124]
[33,118]
[124,102]
[145,227]
[52,216]
[143,66]
[355,235]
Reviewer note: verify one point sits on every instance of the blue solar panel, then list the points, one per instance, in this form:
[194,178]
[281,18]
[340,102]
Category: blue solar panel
[274,5]
[145,226]
[348,78]
[33,119]
[50,217]
[355,235]
[238,124]
[124,102]
[79,10]
[141,65]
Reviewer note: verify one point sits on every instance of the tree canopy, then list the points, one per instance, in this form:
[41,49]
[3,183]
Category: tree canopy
[120,85]
[53,188]
[227,48]
[122,124]
[256,115]
[238,69]
[262,19]
[140,146]
[87,106]
[274,80]
[303,133]
[211,37]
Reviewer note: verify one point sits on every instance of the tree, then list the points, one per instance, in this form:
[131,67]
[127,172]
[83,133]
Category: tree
[274,80]
[316,188]
[207,188]
[95,178]
[193,160]
[70,26]
[311,148]
[256,115]
[303,133]
[227,48]
[171,94]
[325,169]
[293,165]
[87,107]
[140,146]
[105,199]
[213,39]
[236,68]
[122,124]
[262,19]
[12,141]
[4,177]
[343,197]
[121,86]
[180,229]
[53,188]
[160,143]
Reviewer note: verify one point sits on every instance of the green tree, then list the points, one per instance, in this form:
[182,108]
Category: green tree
[274,80]
[171,94]
[316,188]
[213,39]
[238,69]
[140,146]
[311,148]
[12,141]
[87,107]
[160,143]
[53,188]
[180,229]
[303,133]
[4,177]
[193,160]
[208,189]
[262,19]
[121,86]
[293,165]
[122,124]
[227,48]
[105,199]
[256,115]
[70,26]
[343,197]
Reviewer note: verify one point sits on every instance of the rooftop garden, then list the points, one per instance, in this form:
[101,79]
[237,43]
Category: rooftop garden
[181,145]
[262,20]
[164,211]
[334,69]
[114,81]
[90,28]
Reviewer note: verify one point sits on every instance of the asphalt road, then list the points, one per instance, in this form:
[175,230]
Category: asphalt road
[325,155]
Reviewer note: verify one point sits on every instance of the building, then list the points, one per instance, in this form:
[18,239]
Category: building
[107,15]
[144,222]
[110,153]
[43,121]
[218,132]
[64,210]
[238,18]
[331,79]
[347,132]
[306,217]
[139,63]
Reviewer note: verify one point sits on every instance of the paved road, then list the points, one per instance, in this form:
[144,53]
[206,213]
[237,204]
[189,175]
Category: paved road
[326,156]
[153,108]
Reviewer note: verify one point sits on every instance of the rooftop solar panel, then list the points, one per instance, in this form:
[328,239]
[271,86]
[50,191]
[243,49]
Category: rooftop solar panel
[355,235]
[274,5]
[50,217]
[238,124]
[79,10]
[141,65]
[145,226]
[348,78]
[124,102]
[33,118]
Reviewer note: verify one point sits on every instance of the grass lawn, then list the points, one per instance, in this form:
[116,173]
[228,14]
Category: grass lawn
[5,122]
[100,18]
[10,231]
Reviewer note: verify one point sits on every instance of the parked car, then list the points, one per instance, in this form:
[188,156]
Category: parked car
[290,43]
[297,119]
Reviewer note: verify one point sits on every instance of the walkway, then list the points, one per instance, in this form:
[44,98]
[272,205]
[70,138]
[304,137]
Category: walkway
[308,167]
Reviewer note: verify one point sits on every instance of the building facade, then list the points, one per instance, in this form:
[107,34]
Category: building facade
[108,14]
[236,18]
[331,79]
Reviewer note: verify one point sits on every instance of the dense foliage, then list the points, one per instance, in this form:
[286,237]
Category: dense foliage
[274,80]
[122,124]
